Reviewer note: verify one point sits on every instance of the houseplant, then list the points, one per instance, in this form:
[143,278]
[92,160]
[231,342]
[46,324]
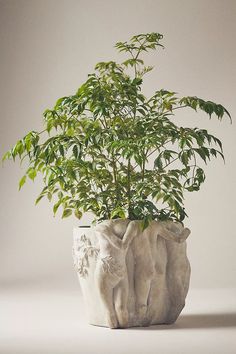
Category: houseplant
[96,159]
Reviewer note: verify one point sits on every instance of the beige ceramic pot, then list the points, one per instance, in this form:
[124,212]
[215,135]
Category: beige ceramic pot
[131,277]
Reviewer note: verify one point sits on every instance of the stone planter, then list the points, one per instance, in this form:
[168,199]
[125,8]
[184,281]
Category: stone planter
[131,277]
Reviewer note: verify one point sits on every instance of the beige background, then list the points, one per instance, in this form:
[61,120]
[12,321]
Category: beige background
[47,49]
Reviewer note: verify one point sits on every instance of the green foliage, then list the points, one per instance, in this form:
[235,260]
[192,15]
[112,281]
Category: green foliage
[93,153]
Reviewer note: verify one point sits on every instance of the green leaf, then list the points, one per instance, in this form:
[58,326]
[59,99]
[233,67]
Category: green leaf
[18,149]
[56,206]
[66,213]
[202,153]
[145,222]
[39,198]
[158,162]
[32,173]
[49,196]
[70,132]
[184,157]
[59,102]
[22,182]
[118,212]
[28,141]
[78,214]
[75,151]
[6,156]
[61,149]
[218,142]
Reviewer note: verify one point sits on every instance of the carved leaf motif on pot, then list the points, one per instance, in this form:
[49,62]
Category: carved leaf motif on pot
[83,250]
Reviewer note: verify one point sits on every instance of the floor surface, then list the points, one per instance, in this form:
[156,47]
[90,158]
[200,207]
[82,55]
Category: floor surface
[36,321]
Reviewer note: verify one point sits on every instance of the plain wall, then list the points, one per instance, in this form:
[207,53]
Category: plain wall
[47,49]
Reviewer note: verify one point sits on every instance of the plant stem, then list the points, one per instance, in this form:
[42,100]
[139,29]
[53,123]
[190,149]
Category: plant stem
[171,162]
[195,165]
[143,167]
[152,152]
[105,203]
[128,188]
[179,107]
[114,168]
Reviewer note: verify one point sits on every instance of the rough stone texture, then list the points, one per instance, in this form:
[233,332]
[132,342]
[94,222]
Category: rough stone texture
[131,277]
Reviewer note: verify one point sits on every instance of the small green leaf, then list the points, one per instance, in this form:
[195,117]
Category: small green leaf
[32,173]
[61,149]
[39,198]
[70,132]
[66,213]
[59,102]
[22,182]
[75,151]
[145,222]
[49,196]
[6,156]
[78,214]
[28,141]
[158,162]
[202,153]
[56,206]
[118,212]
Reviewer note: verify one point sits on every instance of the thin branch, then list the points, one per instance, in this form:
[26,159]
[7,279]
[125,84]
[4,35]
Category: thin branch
[129,188]
[173,109]
[195,165]
[169,163]
[152,152]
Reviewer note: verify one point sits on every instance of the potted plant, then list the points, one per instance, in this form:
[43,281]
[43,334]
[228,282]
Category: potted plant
[112,151]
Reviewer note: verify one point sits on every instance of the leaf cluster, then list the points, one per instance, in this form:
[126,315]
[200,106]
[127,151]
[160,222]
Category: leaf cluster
[94,151]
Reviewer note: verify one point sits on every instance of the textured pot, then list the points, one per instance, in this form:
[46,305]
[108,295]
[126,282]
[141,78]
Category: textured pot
[131,277]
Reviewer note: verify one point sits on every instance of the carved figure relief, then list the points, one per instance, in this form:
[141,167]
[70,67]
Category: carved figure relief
[114,237]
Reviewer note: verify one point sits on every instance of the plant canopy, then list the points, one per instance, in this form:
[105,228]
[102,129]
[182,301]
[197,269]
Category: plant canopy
[94,151]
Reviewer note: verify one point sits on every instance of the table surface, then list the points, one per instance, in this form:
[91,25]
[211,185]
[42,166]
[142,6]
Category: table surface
[44,320]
